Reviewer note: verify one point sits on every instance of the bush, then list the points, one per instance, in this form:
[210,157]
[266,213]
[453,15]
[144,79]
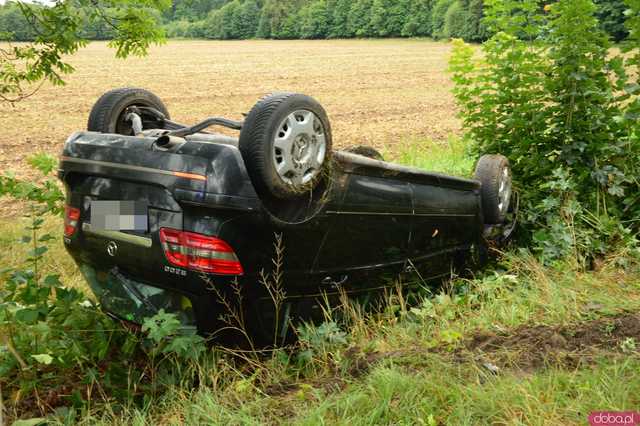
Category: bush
[455,21]
[438,16]
[339,19]
[13,24]
[474,28]
[610,13]
[359,19]
[57,347]
[315,20]
[560,108]
[178,29]
[418,22]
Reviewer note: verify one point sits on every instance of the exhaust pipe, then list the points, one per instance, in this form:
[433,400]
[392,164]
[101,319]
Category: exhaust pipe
[168,143]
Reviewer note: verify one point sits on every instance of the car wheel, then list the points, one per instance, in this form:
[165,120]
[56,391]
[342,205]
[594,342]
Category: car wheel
[286,144]
[109,112]
[366,151]
[494,172]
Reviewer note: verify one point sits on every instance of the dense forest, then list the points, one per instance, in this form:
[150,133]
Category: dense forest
[313,19]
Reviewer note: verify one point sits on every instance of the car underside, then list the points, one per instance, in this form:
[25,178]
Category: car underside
[270,227]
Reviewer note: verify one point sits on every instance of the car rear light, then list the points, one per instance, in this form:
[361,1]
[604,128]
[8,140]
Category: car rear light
[71,217]
[199,252]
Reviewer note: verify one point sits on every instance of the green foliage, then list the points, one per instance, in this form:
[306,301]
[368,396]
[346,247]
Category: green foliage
[359,19]
[235,20]
[455,20]
[418,22]
[191,10]
[315,20]
[438,18]
[57,32]
[339,19]
[52,337]
[610,13]
[168,337]
[309,19]
[46,193]
[474,28]
[317,341]
[14,25]
[388,17]
[278,19]
[562,109]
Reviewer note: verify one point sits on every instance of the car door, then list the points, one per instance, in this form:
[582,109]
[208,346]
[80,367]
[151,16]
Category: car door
[368,237]
[446,224]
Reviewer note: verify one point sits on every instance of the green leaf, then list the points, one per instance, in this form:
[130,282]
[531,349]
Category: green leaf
[38,251]
[45,359]
[28,315]
[46,237]
[45,163]
[52,281]
[29,422]
[632,89]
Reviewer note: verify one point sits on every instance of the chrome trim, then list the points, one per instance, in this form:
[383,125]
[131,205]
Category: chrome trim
[136,240]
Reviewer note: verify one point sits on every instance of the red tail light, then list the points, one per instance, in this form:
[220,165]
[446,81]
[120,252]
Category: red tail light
[199,252]
[71,217]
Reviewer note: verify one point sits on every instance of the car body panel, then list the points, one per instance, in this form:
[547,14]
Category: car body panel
[376,221]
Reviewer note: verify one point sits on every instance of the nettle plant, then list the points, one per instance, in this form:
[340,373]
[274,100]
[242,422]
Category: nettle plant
[550,93]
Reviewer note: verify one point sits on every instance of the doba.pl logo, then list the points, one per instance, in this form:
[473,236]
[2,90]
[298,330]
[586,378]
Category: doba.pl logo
[614,418]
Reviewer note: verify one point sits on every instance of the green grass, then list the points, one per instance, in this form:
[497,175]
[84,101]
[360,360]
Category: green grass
[13,251]
[408,365]
[449,157]
[410,384]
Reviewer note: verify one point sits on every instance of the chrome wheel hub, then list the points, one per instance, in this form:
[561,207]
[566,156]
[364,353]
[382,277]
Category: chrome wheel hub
[504,191]
[299,148]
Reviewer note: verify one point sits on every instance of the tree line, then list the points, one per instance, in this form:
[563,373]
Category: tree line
[312,19]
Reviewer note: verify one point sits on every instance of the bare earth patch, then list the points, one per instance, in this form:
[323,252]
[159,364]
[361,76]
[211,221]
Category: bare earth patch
[534,347]
[524,349]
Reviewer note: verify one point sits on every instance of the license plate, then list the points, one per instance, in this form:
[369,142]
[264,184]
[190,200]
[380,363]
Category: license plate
[119,216]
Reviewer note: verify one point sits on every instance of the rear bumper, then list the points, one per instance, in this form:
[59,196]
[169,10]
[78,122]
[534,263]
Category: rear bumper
[134,301]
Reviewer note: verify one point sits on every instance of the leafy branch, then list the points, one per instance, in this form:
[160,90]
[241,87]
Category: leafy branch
[23,68]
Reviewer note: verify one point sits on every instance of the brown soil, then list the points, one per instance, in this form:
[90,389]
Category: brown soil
[525,349]
[376,92]
[533,347]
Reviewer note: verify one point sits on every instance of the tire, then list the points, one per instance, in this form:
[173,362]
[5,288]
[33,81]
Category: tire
[286,145]
[366,151]
[494,173]
[107,115]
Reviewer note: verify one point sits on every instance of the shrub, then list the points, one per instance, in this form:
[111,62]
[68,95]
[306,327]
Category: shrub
[359,18]
[418,22]
[58,350]
[455,20]
[611,16]
[315,20]
[560,107]
[474,28]
[339,19]
[438,16]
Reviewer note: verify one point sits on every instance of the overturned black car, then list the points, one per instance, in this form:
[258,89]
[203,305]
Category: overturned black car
[165,216]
